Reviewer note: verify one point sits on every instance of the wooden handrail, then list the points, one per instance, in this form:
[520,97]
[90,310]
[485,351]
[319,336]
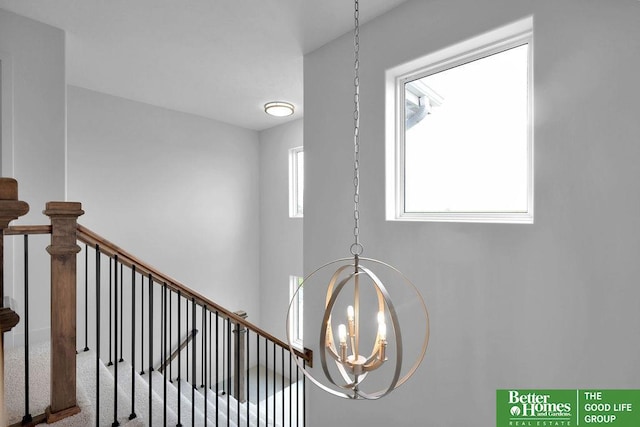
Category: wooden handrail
[110,249]
[17,230]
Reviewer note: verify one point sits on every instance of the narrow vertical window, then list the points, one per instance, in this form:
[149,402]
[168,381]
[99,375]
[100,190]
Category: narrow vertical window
[296,182]
[296,316]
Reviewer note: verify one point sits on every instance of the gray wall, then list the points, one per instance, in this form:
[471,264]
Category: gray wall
[33,145]
[280,236]
[548,305]
[34,153]
[177,190]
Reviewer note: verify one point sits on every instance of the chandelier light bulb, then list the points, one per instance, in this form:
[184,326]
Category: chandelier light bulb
[382,331]
[342,333]
[351,321]
[381,317]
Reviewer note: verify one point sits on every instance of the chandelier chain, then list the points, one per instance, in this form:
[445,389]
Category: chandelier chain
[356,248]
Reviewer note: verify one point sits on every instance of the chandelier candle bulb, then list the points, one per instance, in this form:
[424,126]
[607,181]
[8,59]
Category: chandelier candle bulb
[382,354]
[343,351]
[342,333]
[382,336]
[342,336]
[352,323]
[382,331]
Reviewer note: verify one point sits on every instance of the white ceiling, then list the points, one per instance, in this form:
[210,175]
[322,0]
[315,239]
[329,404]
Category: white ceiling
[221,59]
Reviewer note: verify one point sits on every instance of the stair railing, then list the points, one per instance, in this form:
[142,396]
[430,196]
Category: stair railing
[131,313]
[228,350]
[10,209]
[26,232]
[62,251]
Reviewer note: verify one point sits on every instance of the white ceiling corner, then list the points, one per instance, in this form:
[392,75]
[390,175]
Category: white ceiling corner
[218,59]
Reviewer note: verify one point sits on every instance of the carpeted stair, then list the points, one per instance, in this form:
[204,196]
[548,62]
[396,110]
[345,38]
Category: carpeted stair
[217,407]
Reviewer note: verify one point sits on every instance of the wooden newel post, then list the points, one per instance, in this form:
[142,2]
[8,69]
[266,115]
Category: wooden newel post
[239,379]
[63,250]
[10,208]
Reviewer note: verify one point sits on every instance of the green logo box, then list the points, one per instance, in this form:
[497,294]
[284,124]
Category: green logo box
[551,408]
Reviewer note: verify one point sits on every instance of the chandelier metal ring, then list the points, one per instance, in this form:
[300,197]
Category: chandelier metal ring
[356,249]
[335,287]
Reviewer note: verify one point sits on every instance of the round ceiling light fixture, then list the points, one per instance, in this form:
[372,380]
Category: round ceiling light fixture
[278,108]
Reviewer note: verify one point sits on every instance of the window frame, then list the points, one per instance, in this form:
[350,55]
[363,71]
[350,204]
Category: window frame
[499,40]
[294,175]
[296,321]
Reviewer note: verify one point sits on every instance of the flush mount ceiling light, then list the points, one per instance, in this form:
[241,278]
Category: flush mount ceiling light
[278,108]
[380,342]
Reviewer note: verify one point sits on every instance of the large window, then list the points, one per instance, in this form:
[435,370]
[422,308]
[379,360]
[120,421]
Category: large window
[296,311]
[462,143]
[296,182]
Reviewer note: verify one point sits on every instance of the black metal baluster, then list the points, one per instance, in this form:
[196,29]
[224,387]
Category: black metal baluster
[237,373]
[150,281]
[297,394]
[282,379]
[110,309]
[164,351]
[193,362]
[224,360]
[217,359]
[115,344]
[258,378]
[186,322]
[86,297]
[27,415]
[204,363]
[228,369]
[273,398]
[97,335]
[142,326]
[202,370]
[162,324]
[304,396]
[290,391]
[248,395]
[266,380]
[170,335]
[209,349]
[121,311]
[133,343]
[179,360]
